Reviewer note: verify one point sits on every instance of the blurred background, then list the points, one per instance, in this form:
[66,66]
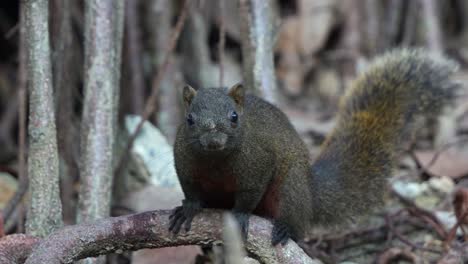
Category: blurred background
[319,47]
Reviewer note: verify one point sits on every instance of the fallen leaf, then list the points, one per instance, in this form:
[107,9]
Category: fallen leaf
[449,163]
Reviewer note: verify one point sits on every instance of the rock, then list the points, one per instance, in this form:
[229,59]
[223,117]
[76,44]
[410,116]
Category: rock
[409,190]
[155,152]
[150,181]
[153,197]
[444,185]
[448,220]
[427,195]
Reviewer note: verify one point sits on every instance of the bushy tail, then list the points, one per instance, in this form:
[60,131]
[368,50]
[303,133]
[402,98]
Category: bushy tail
[377,113]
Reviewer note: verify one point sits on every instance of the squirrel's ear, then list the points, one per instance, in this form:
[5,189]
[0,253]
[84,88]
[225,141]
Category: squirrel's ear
[188,94]
[237,92]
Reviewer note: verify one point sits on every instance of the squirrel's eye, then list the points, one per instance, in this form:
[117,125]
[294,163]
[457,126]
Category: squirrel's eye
[190,120]
[234,117]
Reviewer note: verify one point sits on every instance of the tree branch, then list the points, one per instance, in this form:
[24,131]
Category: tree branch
[16,248]
[150,230]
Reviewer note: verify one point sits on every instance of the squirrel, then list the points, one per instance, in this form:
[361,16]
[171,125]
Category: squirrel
[240,153]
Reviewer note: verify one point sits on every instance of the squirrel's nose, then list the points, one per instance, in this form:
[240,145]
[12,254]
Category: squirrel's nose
[210,125]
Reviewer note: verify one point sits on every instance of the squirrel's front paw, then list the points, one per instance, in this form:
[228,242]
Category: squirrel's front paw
[243,220]
[280,233]
[183,214]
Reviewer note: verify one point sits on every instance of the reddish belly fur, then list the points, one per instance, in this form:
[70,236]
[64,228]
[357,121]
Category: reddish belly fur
[219,192]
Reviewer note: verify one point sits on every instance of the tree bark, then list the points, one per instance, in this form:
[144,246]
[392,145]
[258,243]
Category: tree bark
[45,209]
[257,47]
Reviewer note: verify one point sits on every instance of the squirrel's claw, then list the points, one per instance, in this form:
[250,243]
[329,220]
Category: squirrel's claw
[280,234]
[183,215]
[177,218]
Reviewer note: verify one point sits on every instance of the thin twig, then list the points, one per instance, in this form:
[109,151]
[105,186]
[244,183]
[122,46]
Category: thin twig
[12,31]
[22,175]
[403,239]
[222,42]
[422,213]
[391,254]
[133,55]
[150,105]
[2,229]
[453,230]
[22,83]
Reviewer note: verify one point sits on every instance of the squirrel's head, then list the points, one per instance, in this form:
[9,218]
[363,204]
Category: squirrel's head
[213,118]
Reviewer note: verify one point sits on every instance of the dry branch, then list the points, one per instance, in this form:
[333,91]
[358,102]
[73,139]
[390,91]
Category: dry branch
[150,230]
[45,209]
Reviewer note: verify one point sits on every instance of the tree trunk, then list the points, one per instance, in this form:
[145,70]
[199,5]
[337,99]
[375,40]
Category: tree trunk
[257,47]
[103,54]
[45,208]
[431,25]
[103,42]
